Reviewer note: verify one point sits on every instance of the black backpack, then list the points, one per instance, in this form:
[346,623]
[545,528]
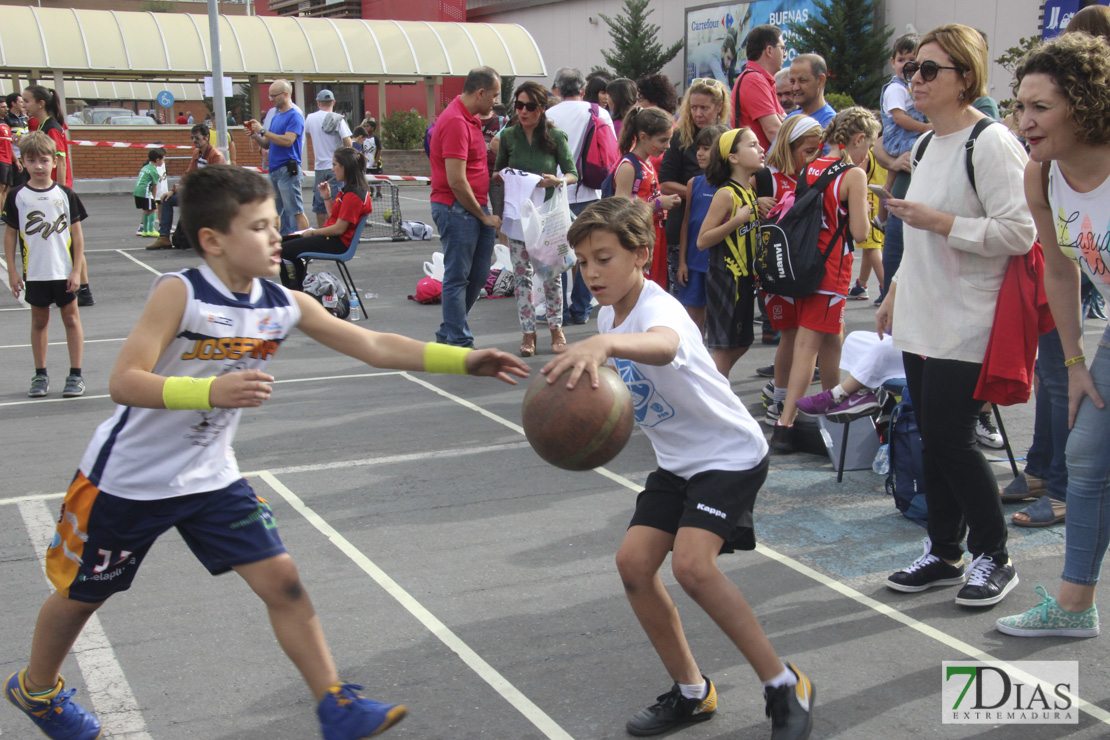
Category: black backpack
[788,260]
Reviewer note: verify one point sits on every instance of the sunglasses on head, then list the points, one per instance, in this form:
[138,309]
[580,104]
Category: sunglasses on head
[707,81]
[530,107]
[928,69]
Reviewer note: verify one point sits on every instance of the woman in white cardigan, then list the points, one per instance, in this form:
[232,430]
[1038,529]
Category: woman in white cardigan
[959,238]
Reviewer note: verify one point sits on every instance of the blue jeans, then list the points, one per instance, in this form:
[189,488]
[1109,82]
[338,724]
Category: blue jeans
[1046,458]
[892,250]
[1088,523]
[576,308]
[165,222]
[317,200]
[467,254]
[288,197]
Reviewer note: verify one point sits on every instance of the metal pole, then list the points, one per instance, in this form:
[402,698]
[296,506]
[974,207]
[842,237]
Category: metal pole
[219,101]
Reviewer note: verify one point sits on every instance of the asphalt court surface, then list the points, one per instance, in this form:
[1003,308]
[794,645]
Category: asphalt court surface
[456,572]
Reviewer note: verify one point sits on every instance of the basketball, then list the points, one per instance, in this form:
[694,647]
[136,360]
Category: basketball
[578,429]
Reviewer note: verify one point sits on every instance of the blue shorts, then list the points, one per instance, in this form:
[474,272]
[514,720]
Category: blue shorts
[693,292]
[101,539]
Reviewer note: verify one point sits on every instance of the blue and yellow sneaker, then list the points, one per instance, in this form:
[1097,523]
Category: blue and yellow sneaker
[347,715]
[55,715]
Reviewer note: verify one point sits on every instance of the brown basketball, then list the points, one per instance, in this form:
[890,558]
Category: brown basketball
[578,429]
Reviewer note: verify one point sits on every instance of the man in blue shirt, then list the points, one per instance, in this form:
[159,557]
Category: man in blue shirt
[808,73]
[284,138]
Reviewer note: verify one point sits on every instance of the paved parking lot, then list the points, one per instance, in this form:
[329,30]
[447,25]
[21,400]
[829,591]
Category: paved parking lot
[455,571]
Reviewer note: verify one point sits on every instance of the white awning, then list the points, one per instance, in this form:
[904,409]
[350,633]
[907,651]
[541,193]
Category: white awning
[105,44]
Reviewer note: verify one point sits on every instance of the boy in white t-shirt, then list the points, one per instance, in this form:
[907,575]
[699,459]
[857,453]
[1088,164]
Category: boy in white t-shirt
[712,461]
[44,221]
[902,123]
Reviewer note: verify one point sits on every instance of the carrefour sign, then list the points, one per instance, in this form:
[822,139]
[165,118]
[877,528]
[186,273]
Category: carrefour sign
[715,34]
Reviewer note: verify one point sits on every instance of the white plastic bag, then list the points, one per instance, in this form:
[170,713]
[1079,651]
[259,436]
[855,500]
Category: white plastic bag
[501,258]
[545,234]
[434,269]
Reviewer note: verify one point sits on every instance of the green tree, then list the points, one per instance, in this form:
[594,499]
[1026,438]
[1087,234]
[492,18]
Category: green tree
[854,42]
[1009,61]
[635,51]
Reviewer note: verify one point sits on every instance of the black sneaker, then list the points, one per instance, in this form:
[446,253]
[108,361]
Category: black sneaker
[84,296]
[987,582]
[791,708]
[772,413]
[927,571]
[782,439]
[672,710]
[767,394]
[767,371]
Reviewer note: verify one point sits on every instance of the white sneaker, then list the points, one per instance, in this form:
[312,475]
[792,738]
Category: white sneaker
[986,433]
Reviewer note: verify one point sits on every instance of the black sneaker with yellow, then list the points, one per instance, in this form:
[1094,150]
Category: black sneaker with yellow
[791,708]
[673,710]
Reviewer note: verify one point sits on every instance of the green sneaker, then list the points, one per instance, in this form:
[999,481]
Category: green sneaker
[1047,619]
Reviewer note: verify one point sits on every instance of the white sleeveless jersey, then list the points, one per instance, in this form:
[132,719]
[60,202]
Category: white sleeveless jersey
[149,454]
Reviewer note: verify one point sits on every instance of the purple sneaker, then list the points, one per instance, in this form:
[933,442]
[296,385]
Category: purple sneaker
[817,404]
[859,403]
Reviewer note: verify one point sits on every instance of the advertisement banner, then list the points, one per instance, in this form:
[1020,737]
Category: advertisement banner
[715,34]
[1057,15]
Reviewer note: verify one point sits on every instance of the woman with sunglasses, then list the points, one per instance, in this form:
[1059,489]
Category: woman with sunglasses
[1064,109]
[706,103]
[534,145]
[958,243]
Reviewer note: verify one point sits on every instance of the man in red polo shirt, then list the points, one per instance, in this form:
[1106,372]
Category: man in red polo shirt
[754,103]
[460,185]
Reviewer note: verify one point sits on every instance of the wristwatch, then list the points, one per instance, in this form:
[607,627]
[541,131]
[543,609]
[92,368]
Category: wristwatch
[262,133]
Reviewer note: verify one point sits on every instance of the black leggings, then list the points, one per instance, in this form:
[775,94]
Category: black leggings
[293,270]
[960,487]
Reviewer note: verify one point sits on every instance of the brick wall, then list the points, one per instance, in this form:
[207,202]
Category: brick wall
[105,162]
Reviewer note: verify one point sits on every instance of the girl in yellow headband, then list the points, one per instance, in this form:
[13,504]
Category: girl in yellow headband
[729,232]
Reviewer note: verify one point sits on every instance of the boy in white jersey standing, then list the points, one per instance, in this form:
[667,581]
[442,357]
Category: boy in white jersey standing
[712,461]
[193,361]
[45,218]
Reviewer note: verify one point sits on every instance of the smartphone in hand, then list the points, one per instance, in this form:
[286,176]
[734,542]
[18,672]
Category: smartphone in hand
[880,191]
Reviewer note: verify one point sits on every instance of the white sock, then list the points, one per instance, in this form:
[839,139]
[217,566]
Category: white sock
[786,678]
[780,395]
[694,691]
[839,394]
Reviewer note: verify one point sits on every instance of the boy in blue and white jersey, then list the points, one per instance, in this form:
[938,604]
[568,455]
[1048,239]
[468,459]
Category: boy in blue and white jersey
[194,360]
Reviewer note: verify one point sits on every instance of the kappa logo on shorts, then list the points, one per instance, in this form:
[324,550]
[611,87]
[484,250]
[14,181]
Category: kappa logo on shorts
[711,510]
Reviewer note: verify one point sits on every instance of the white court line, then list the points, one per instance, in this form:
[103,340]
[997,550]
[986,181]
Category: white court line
[23,305]
[104,678]
[488,673]
[137,262]
[54,344]
[947,640]
[363,462]
[37,401]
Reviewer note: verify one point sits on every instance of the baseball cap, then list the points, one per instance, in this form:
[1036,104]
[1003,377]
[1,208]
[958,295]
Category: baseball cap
[325,95]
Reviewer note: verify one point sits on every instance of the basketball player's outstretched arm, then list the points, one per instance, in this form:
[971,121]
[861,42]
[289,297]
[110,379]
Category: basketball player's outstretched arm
[394,351]
[657,346]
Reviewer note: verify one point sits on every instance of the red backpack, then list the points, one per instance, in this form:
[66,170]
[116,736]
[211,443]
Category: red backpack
[599,151]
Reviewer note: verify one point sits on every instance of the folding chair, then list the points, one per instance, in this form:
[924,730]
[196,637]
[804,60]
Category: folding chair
[341,260]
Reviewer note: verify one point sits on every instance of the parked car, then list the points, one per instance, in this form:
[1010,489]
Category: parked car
[131,121]
[99,116]
[74,120]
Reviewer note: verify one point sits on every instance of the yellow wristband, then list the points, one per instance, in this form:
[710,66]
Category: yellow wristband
[187,393]
[443,358]
[1074,361]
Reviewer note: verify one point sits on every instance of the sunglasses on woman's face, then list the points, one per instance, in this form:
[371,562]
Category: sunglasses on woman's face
[530,107]
[928,69]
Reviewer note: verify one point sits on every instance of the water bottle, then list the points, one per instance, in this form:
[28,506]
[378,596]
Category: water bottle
[882,460]
[356,309]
